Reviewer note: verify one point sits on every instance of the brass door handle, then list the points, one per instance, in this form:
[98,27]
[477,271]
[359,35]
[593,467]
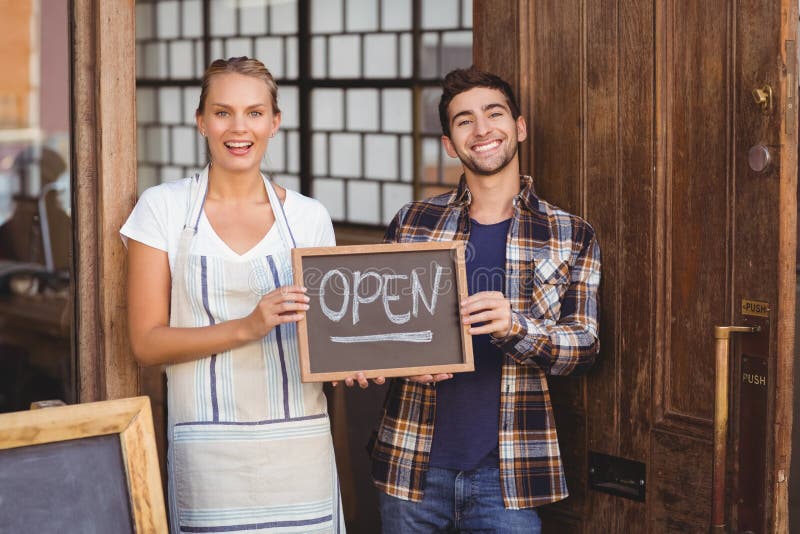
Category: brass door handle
[763,97]
[723,336]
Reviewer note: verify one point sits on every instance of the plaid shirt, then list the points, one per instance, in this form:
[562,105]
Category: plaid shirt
[552,274]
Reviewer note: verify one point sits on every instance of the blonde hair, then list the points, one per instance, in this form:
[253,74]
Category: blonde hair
[239,65]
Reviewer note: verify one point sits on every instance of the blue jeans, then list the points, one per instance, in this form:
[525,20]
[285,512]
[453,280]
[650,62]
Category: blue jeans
[457,501]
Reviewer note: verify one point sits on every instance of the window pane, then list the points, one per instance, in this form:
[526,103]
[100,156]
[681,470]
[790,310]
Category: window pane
[381,157]
[144,21]
[276,159]
[169,105]
[287,101]
[362,109]
[363,202]
[326,109]
[326,16]
[294,152]
[362,15]
[252,18]
[269,50]
[167,19]
[192,18]
[200,66]
[397,110]
[440,14]
[429,110]
[223,18]
[406,158]
[466,14]
[145,105]
[191,99]
[183,138]
[345,155]
[216,49]
[320,154]
[429,56]
[319,57]
[380,56]
[155,60]
[157,144]
[291,57]
[237,48]
[396,15]
[345,56]
[36,310]
[180,59]
[430,160]
[406,56]
[456,51]
[283,17]
[331,194]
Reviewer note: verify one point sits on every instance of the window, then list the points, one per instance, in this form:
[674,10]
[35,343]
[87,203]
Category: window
[358,87]
[36,311]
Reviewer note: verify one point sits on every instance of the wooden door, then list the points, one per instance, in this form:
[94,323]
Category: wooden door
[641,118]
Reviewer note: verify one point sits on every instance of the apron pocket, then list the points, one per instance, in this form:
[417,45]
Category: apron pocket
[254,475]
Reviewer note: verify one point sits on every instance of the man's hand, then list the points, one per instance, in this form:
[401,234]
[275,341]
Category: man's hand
[430,379]
[489,307]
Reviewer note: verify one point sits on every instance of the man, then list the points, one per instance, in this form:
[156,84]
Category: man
[478,451]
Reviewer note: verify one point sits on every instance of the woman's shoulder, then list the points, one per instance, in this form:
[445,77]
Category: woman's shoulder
[299,204]
[168,192]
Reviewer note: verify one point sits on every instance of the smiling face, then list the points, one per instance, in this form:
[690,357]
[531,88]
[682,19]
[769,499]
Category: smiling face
[483,132]
[238,121]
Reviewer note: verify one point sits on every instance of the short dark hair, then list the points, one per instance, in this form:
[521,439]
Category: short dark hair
[460,80]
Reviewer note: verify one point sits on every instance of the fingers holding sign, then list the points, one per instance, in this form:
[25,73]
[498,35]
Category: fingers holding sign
[361,380]
[487,312]
[283,305]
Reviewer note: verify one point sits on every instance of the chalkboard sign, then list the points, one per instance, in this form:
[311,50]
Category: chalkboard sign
[89,468]
[387,310]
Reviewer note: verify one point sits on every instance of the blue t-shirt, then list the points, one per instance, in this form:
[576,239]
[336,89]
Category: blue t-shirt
[465,431]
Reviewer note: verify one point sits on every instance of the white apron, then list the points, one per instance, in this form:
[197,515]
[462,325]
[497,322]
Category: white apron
[250,445]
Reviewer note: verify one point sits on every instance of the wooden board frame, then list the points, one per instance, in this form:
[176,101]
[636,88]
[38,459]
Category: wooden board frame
[302,326]
[129,418]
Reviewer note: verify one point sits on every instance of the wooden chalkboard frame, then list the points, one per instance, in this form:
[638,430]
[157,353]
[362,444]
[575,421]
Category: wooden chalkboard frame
[130,419]
[459,264]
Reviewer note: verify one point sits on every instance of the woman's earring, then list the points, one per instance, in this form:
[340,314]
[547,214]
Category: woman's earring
[202,133]
[273,135]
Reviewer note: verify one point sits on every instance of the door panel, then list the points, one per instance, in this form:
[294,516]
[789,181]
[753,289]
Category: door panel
[696,175]
[641,118]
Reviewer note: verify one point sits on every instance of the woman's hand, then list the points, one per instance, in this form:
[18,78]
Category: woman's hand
[285,304]
[362,381]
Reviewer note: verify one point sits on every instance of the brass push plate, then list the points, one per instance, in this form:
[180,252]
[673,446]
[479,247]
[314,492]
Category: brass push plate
[755,307]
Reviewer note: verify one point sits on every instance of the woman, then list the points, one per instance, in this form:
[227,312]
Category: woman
[210,294]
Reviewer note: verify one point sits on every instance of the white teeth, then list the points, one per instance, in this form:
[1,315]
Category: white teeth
[238,145]
[488,146]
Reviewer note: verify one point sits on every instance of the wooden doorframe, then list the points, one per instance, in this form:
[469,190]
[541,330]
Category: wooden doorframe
[787,277]
[103,136]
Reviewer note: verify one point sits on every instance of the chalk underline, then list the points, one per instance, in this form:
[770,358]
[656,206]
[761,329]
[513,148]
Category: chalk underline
[423,336]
